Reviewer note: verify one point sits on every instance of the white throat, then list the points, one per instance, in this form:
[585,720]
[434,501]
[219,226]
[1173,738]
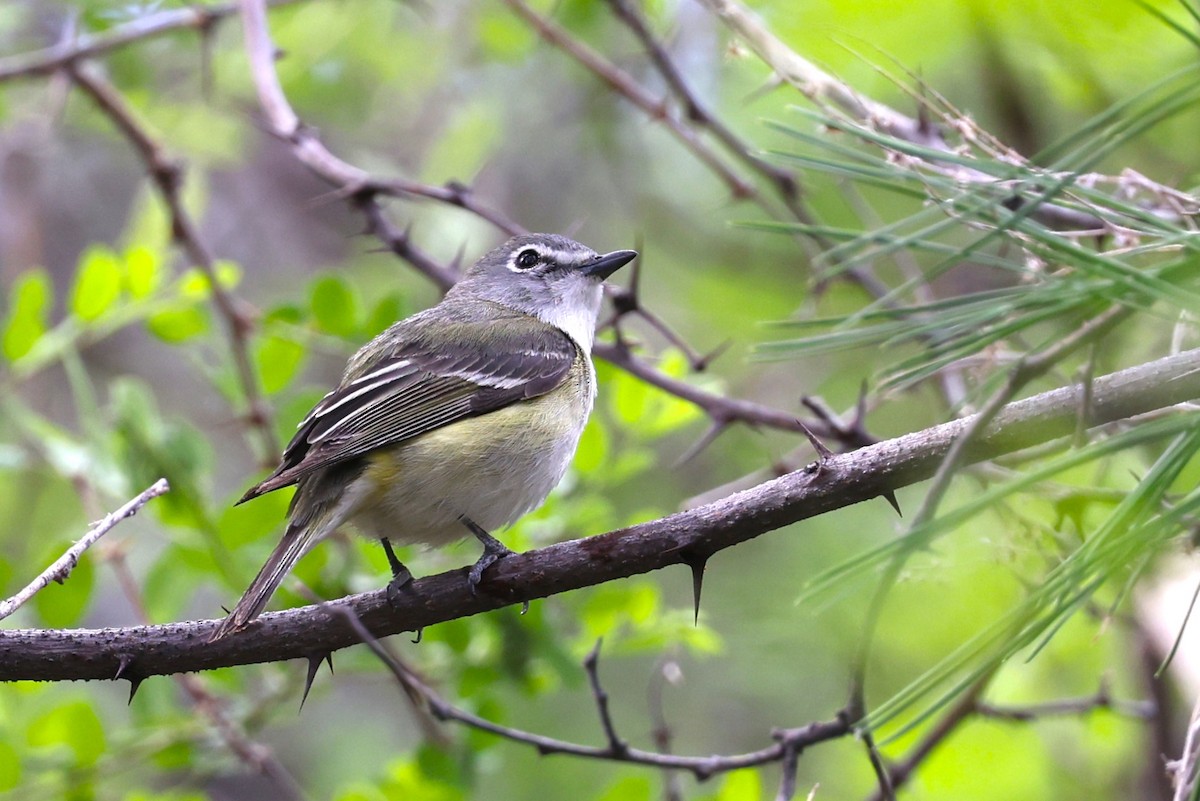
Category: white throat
[576,315]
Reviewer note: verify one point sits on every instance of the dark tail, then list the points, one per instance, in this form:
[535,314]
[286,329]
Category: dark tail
[287,553]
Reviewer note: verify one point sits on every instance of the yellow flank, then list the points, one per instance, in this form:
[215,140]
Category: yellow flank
[492,468]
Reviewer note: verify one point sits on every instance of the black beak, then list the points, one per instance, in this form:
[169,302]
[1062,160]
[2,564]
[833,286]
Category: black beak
[609,263]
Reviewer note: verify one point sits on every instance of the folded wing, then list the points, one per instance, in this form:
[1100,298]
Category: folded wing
[421,385]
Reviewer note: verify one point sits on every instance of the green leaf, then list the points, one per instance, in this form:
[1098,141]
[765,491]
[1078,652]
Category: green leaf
[741,785]
[75,725]
[97,284]
[436,762]
[334,306]
[278,360]
[228,273]
[27,312]
[194,285]
[629,788]
[386,311]
[150,447]
[646,409]
[287,313]
[502,36]
[611,609]
[169,583]
[179,324]
[630,398]
[143,272]
[175,757]
[249,522]
[405,780]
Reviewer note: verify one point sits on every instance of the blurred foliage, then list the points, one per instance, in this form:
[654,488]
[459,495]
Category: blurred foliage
[116,370]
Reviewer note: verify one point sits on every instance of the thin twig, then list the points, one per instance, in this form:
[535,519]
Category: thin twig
[1138,710]
[623,84]
[718,407]
[789,764]
[167,175]
[400,243]
[591,666]
[702,768]
[867,114]
[1185,769]
[350,181]
[144,27]
[786,184]
[63,566]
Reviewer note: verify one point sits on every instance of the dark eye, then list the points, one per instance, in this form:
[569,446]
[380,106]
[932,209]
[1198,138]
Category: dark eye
[528,258]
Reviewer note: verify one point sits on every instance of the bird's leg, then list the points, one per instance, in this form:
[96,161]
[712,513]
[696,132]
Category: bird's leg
[493,549]
[401,575]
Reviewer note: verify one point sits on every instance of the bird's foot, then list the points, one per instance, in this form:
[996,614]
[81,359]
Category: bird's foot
[401,575]
[493,550]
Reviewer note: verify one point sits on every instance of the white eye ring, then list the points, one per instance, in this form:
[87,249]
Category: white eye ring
[527,258]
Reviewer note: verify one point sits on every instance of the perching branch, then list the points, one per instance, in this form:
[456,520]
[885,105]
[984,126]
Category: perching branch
[683,538]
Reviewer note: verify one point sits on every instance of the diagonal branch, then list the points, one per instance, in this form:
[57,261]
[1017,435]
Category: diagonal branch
[867,114]
[51,59]
[352,181]
[624,85]
[841,481]
[785,181]
[63,566]
[168,179]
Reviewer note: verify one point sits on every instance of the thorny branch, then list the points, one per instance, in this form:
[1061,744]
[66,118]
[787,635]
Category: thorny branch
[254,755]
[787,741]
[364,190]
[840,480]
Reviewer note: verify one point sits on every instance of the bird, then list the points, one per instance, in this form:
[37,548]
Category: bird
[457,420]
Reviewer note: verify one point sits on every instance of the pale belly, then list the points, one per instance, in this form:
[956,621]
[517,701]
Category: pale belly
[492,469]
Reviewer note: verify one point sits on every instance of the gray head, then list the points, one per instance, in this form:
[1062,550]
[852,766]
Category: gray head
[548,276]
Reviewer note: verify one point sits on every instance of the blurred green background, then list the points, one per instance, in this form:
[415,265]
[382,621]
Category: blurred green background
[116,371]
